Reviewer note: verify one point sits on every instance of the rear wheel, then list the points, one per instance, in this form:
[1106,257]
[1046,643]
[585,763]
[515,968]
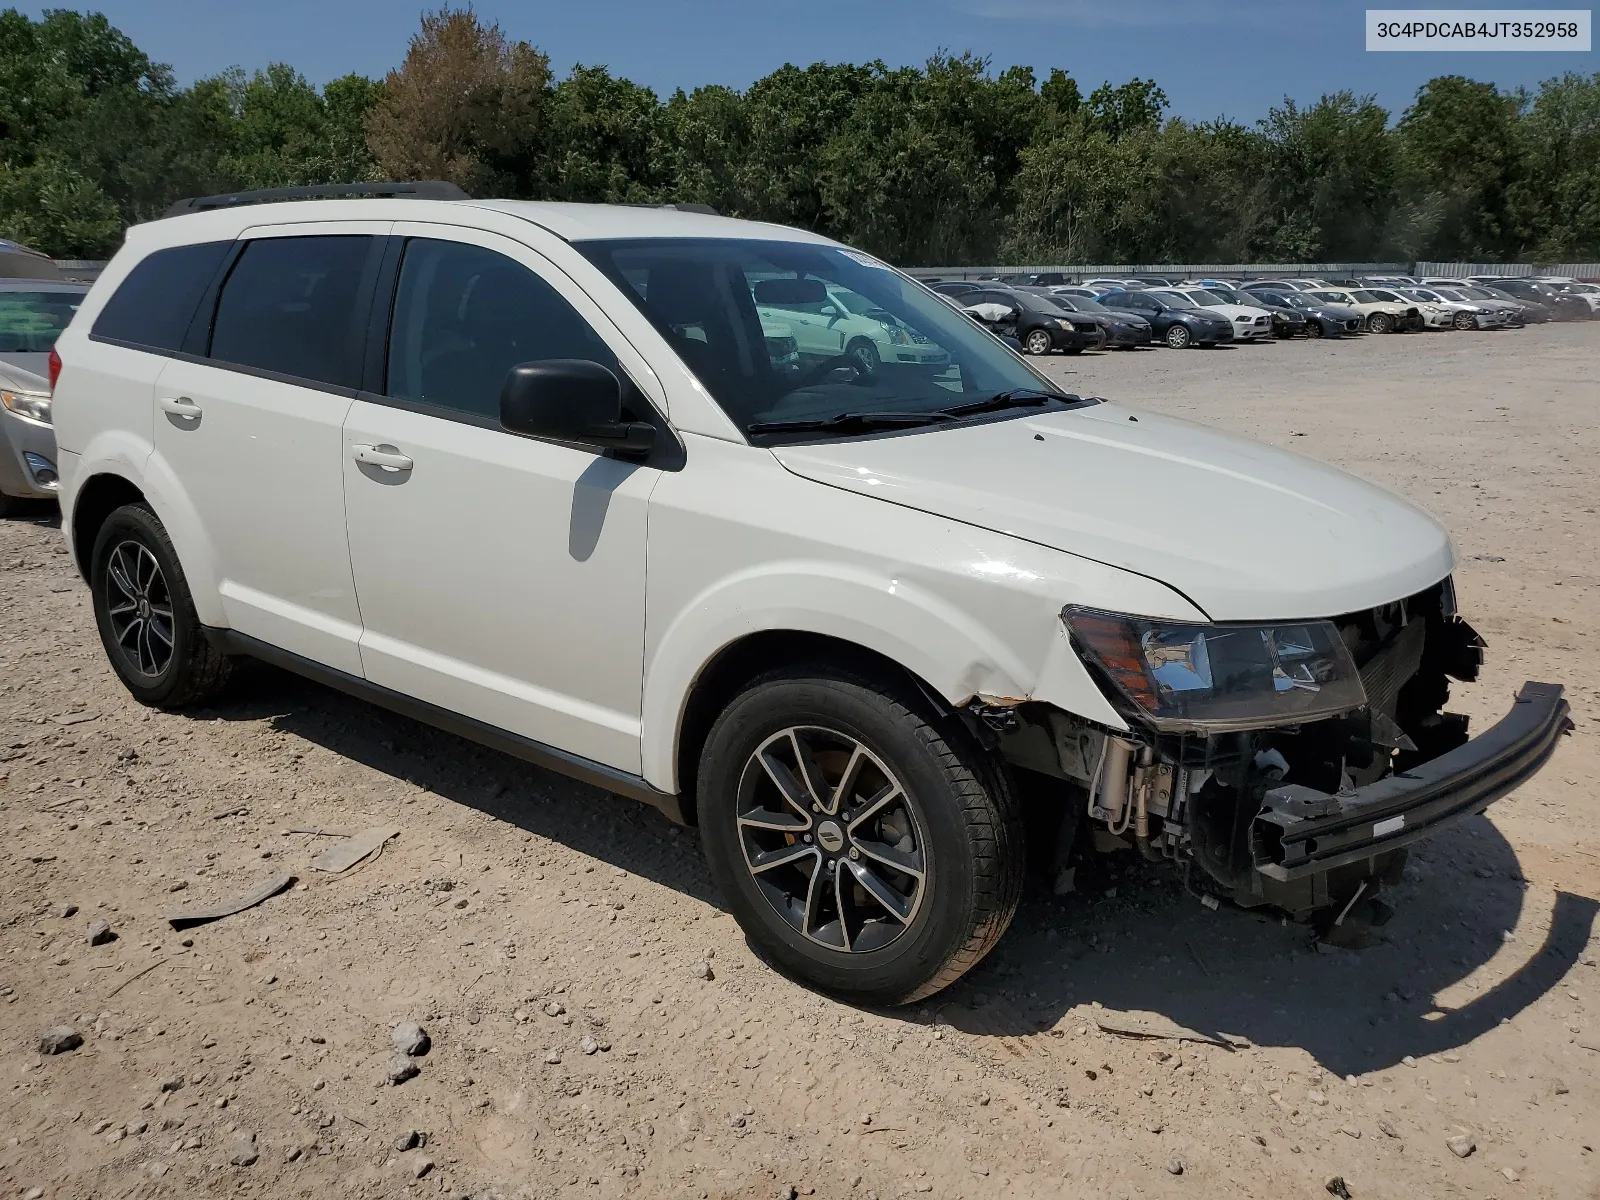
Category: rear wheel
[1037,342]
[146,615]
[1380,323]
[864,847]
[1178,337]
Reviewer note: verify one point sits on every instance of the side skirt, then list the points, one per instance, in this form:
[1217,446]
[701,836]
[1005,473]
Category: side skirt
[538,753]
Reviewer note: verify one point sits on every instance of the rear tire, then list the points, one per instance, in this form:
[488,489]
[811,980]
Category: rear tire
[800,837]
[146,615]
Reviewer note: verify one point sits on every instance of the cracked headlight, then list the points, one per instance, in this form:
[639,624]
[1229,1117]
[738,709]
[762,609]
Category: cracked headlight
[1215,678]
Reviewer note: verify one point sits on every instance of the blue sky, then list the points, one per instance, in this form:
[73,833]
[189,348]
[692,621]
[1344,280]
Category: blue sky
[1213,57]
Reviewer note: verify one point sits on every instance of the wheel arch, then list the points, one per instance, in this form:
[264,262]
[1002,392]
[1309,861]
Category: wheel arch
[96,499]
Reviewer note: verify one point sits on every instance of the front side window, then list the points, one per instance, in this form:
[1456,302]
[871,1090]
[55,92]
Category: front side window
[295,306]
[30,322]
[464,316]
[721,302]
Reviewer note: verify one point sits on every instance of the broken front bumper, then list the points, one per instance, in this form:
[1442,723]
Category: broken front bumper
[1301,832]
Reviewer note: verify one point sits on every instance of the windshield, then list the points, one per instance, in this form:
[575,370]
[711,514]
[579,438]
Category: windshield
[30,322]
[1207,298]
[724,303]
[1177,300]
[1228,296]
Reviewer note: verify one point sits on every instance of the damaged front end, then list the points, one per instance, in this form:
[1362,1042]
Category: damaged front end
[1292,761]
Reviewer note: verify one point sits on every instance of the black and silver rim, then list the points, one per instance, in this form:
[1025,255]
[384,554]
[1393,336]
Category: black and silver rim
[832,839]
[139,607]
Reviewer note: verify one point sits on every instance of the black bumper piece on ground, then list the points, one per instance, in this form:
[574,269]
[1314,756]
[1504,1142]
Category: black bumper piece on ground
[1301,831]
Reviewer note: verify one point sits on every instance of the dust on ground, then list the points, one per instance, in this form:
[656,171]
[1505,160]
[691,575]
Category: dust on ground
[600,1029]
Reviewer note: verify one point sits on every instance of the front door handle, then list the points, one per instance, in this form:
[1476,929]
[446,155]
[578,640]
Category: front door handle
[380,456]
[180,406]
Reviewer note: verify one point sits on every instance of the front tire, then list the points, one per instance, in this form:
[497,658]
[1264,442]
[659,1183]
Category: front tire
[1037,343]
[1314,329]
[1380,323]
[1178,337]
[1464,321]
[146,615]
[864,357]
[865,848]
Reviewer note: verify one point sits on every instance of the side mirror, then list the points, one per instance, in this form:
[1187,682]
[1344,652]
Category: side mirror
[571,400]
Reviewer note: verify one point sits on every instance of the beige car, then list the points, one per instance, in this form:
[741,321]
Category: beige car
[1382,316]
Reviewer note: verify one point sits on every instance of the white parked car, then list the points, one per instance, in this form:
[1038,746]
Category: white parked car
[832,321]
[1251,323]
[1462,313]
[520,470]
[1382,315]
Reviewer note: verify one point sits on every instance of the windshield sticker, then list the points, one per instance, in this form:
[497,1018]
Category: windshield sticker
[866,260]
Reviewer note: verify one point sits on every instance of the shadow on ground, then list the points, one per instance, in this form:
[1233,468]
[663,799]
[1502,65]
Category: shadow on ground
[1140,942]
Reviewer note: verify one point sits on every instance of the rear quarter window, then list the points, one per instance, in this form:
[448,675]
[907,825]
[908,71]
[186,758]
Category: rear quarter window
[153,306]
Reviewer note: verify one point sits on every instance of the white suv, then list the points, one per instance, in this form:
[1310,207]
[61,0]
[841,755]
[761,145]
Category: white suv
[530,472]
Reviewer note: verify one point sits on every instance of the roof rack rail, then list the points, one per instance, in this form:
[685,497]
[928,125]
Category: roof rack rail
[687,206]
[427,189]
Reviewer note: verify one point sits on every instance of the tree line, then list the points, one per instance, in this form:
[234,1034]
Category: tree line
[949,163]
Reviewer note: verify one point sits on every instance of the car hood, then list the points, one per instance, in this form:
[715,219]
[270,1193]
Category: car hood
[25,372]
[1244,530]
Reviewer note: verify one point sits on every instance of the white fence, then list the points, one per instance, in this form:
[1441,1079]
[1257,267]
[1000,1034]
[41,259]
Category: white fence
[1590,272]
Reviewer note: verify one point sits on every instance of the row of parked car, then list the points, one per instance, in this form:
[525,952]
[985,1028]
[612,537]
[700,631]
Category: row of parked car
[1045,313]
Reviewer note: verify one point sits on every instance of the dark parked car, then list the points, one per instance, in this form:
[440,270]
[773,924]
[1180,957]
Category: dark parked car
[1322,320]
[1123,330]
[1529,312]
[956,287]
[1042,325]
[1561,307]
[1039,279]
[1177,327]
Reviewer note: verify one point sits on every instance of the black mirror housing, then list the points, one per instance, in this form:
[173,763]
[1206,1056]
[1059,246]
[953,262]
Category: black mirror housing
[571,400]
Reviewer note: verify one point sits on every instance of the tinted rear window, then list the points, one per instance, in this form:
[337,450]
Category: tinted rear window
[296,306]
[155,303]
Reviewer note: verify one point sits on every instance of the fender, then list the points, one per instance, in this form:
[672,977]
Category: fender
[120,453]
[956,653]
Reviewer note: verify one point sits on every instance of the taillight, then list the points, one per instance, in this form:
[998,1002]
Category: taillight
[55,369]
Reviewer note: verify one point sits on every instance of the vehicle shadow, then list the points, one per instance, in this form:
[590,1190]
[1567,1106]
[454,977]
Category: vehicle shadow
[1134,940]
[1143,945]
[619,832]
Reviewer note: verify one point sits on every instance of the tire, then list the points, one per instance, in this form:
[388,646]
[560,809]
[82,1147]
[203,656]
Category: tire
[1177,337]
[954,817]
[1073,350]
[1314,329]
[864,356]
[135,577]
[6,505]
[1464,321]
[1380,323]
[1037,343]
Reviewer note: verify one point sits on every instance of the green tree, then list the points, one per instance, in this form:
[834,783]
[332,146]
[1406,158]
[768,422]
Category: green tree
[1459,154]
[601,137]
[1556,197]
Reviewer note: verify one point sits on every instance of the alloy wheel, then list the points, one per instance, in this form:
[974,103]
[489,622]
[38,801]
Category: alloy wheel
[140,608]
[1038,342]
[832,839]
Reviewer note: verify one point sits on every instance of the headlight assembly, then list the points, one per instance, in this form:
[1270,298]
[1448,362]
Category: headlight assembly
[33,405]
[1214,678]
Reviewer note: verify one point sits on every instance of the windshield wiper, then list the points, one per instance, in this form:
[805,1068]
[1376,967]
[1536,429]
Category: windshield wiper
[1017,398]
[848,422]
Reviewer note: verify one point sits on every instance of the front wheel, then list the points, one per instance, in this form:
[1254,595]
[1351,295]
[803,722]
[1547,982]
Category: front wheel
[1314,329]
[1178,337]
[863,848]
[1380,323]
[864,357]
[146,616]
[1465,321]
[1038,342]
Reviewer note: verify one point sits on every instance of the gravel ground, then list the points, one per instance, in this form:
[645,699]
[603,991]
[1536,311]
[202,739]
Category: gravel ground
[598,1026]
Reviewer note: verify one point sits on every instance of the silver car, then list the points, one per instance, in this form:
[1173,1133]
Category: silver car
[32,313]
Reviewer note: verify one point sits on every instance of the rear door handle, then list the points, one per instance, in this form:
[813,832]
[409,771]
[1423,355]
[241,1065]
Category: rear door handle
[180,406]
[380,456]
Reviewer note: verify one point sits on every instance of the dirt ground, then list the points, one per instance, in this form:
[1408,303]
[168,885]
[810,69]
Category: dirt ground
[518,914]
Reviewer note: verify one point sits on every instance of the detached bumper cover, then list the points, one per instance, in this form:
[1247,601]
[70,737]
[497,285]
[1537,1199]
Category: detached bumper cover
[1301,831]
